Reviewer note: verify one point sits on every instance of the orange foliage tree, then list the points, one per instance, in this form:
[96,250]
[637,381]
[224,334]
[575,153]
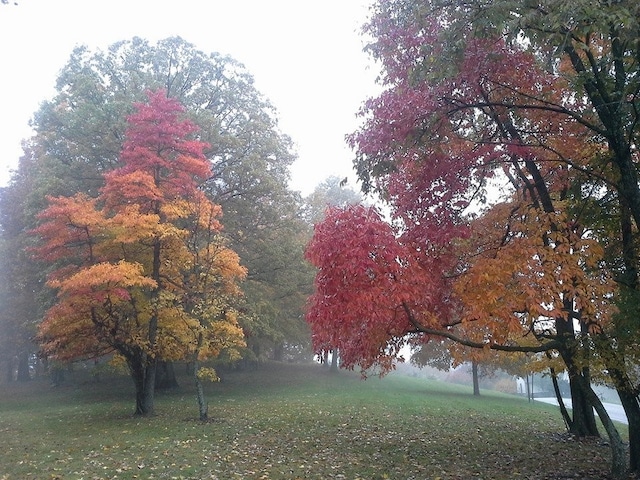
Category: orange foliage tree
[142,270]
[528,274]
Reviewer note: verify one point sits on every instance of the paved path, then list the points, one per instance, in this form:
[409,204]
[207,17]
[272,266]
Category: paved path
[616,412]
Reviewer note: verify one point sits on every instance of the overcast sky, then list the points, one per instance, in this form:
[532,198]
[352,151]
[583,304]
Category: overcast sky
[306,57]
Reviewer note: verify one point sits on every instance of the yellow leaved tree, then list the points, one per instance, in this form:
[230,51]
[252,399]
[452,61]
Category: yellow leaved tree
[142,270]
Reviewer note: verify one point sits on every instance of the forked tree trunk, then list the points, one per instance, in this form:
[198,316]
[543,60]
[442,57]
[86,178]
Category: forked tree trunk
[583,422]
[619,465]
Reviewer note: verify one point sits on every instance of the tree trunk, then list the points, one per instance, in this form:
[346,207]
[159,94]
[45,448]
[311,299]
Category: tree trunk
[583,423]
[144,380]
[146,364]
[57,374]
[618,450]
[631,405]
[166,376]
[334,360]
[23,374]
[563,408]
[627,324]
[278,352]
[137,375]
[632,410]
[203,406]
[150,387]
[476,380]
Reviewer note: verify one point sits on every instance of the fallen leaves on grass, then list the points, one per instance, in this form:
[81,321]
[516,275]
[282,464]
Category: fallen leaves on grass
[332,429]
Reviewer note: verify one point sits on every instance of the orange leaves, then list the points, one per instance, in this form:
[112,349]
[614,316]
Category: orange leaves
[142,268]
[531,268]
[135,187]
[105,276]
[68,227]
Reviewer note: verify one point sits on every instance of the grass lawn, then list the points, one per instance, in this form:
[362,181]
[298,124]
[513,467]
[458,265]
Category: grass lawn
[288,422]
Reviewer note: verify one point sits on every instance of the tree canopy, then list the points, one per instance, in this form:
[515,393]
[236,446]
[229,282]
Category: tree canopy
[141,269]
[78,139]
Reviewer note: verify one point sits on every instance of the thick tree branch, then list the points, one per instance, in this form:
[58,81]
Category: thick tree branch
[544,347]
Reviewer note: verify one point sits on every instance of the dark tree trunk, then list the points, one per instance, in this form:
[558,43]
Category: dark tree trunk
[278,352]
[166,376]
[631,405]
[583,422]
[57,374]
[143,377]
[137,375]
[618,450]
[148,364]
[563,408]
[334,360]
[627,324]
[149,387]
[203,406]
[476,380]
[23,374]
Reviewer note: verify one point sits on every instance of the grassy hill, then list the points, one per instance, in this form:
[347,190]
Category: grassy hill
[285,421]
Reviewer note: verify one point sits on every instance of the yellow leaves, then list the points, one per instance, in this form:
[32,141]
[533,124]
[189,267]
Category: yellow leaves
[227,263]
[129,225]
[525,266]
[104,276]
[207,373]
[178,208]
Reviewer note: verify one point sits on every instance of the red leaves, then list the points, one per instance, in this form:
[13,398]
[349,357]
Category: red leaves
[159,162]
[431,142]
[365,276]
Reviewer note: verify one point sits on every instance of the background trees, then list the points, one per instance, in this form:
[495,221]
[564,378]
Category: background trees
[79,135]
